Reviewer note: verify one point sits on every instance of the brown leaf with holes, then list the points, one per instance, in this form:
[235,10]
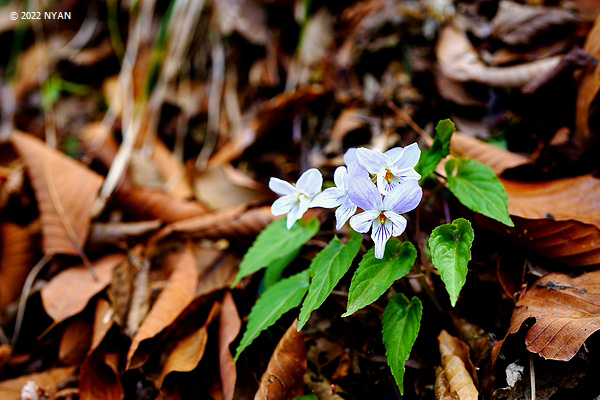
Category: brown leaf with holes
[172,300]
[99,377]
[229,327]
[456,362]
[188,351]
[283,378]
[65,191]
[146,203]
[589,84]
[48,381]
[16,260]
[68,293]
[566,311]
[75,342]
[458,60]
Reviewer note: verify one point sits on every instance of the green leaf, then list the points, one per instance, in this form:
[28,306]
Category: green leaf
[373,276]
[439,149]
[275,242]
[307,397]
[401,323]
[274,302]
[450,246]
[477,187]
[275,269]
[327,268]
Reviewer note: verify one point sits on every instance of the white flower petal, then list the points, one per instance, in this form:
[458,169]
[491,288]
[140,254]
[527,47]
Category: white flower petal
[329,198]
[398,222]
[350,156]
[343,213]
[297,212]
[281,187]
[283,205]
[409,157]
[384,186]
[364,194]
[373,161]
[408,173]
[404,198]
[394,153]
[362,222]
[339,175]
[310,182]
[381,234]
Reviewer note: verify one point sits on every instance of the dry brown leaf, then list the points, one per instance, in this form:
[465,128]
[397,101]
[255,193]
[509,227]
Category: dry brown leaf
[498,159]
[75,342]
[458,60]
[68,292]
[518,24]
[65,191]
[442,386]
[5,354]
[16,260]
[229,327]
[562,200]
[217,270]
[48,381]
[454,346]
[88,57]
[247,17]
[174,298]
[566,310]
[99,377]
[189,351]
[144,203]
[102,323]
[139,303]
[115,232]
[453,352]
[120,290]
[172,171]
[238,221]
[221,187]
[283,378]
[590,83]
[281,108]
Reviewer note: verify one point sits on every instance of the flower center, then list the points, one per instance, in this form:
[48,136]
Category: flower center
[382,218]
[388,176]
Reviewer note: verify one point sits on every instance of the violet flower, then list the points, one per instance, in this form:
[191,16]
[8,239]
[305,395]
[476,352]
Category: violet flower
[337,196]
[382,214]
[392,167]
[296,199]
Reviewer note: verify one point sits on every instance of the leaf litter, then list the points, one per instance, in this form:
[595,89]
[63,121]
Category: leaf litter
[131,221]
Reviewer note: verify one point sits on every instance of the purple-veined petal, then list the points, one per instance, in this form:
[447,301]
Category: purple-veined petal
[373,161]
[310,182]
[407,174]
[354,170]
[281,187]
[409,157]
[339,175]
[384,186]
[398,222]
[283,205]
[343,213]
[381,234]
[404,198]
[329,198]
[364,194]
[362,222]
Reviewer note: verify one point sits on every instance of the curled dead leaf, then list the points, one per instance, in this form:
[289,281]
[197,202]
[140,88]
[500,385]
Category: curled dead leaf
[65,191]
[102,323]
[174,298]
[442,386]
[458,60]
[99,377]
[453,352]
[566,310]
[590,83]
[68,292]
[283,378]
[75,342]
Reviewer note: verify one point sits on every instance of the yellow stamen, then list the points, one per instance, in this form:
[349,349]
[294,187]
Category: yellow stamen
[388,176]
[382,218]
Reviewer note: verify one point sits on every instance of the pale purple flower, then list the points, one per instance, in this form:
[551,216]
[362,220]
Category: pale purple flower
[296,199]
[382,214]
[337,196]
[392,167]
